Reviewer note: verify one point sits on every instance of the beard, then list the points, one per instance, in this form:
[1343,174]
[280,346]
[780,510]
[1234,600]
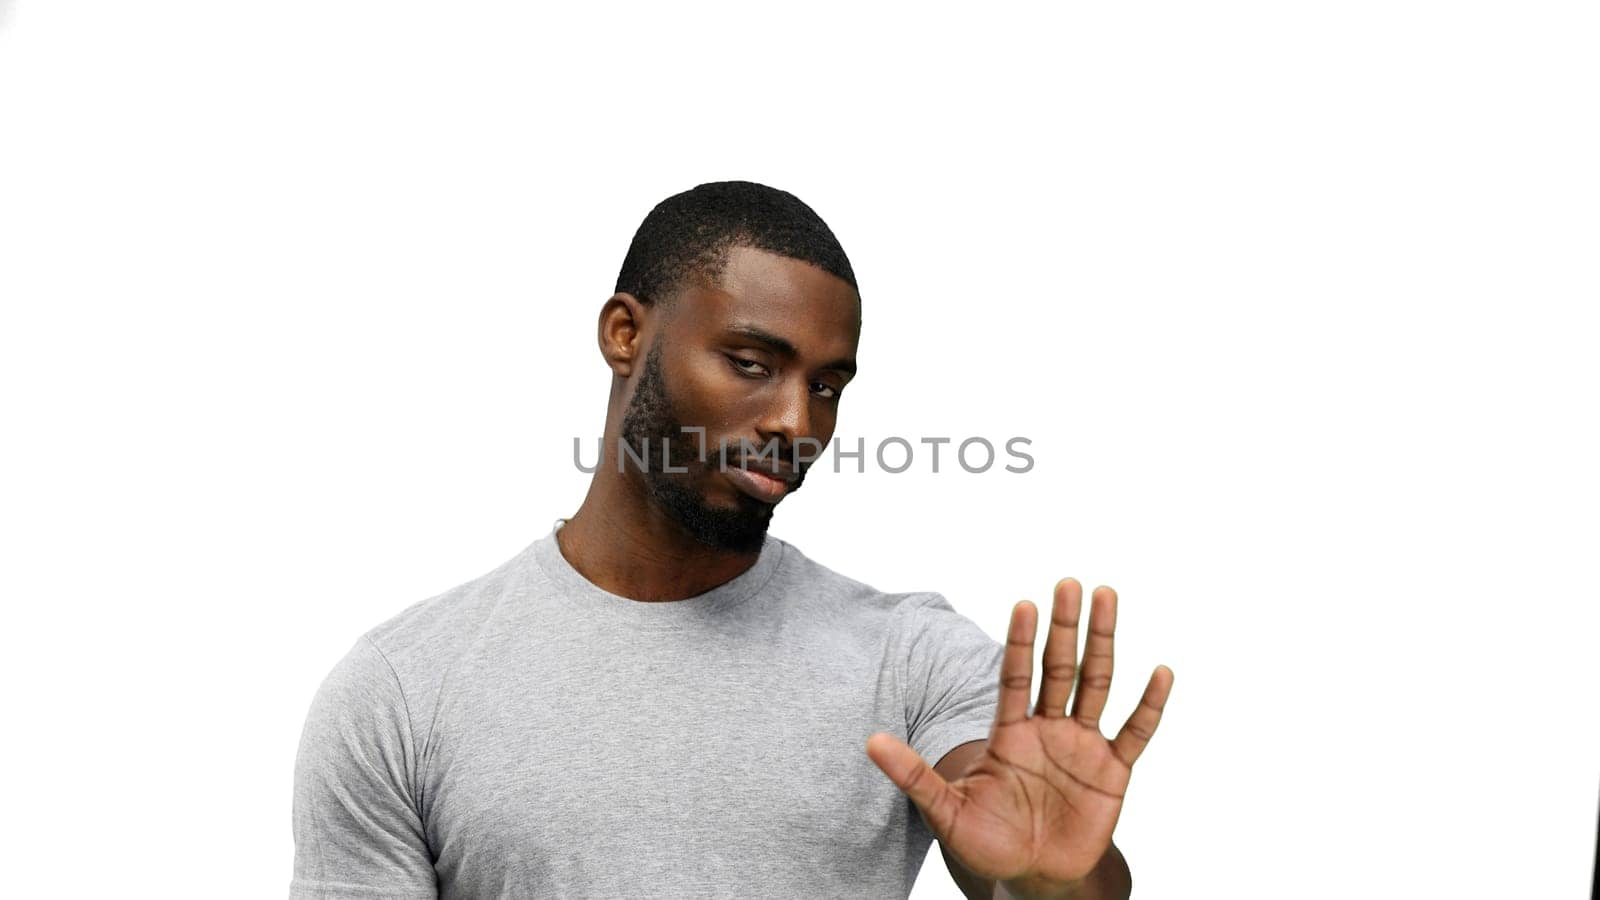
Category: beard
[649,425]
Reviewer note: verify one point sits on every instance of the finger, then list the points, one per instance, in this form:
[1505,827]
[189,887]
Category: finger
[1016,668]
[1094,676]
[912,775]
[1061,650]
[1141,726]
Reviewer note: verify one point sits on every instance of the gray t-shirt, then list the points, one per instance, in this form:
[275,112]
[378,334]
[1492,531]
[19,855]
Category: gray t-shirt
[527,734]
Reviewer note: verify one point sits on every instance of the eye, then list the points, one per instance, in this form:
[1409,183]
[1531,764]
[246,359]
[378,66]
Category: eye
[826,391]
[747,366]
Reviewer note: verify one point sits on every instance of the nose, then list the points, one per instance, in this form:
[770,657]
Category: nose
[788,416]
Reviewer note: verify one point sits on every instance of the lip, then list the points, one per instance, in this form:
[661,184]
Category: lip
[765,467]
[760,485]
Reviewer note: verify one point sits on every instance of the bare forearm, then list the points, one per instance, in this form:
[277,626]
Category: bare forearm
[1110,880]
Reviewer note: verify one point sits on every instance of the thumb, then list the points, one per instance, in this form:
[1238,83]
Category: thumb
[911,774]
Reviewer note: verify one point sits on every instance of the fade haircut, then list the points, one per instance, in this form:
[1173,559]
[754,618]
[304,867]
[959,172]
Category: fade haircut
[690,234]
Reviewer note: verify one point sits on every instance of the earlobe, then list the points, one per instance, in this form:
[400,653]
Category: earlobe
[621,324]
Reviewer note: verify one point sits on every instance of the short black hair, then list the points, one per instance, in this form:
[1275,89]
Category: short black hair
[691,233]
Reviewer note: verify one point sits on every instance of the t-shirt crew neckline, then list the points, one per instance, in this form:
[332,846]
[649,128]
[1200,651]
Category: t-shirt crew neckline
[663,613]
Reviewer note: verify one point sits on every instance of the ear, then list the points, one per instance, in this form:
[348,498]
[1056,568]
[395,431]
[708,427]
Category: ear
[622,321]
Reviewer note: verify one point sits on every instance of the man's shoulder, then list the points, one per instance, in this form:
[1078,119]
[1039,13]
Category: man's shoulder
[425,636]
[846,595]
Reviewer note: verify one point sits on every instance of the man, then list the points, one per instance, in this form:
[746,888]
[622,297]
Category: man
[658,699]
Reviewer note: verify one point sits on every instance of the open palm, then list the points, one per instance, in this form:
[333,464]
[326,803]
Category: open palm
[1039,805]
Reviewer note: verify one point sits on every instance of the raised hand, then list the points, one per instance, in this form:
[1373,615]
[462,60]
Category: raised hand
[1036,809]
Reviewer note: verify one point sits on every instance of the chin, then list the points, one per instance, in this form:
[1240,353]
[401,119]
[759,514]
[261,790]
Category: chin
[724,518]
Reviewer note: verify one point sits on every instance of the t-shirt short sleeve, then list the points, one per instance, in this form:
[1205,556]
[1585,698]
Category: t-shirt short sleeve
[952,677]
[357,832]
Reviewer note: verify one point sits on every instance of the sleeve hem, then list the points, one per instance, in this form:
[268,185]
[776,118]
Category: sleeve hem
[941,741]
[300,889]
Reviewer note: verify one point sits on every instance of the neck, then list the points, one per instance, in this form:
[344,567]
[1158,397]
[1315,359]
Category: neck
[625,545]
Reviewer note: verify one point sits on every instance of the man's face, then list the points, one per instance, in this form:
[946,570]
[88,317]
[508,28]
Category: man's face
[758,360]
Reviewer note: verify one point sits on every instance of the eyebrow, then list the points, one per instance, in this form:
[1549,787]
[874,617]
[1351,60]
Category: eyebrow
[784,348]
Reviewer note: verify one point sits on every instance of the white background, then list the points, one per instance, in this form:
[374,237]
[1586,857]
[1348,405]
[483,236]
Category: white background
[1294,302]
